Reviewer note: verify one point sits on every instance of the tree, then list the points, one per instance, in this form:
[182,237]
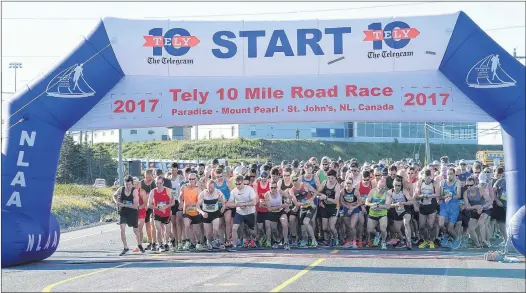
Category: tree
[66,161]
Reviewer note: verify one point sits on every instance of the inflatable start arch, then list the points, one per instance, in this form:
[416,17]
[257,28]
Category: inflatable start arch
[143,73]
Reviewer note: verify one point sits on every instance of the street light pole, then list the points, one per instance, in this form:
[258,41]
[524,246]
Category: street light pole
[15,66]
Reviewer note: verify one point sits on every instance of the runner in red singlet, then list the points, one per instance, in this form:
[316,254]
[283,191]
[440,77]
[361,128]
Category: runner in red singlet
[160,202]
[262,186]
[363,186]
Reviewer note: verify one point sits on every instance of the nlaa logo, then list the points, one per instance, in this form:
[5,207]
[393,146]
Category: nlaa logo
[176,41]
[396,34]
[487,73]
[70,83]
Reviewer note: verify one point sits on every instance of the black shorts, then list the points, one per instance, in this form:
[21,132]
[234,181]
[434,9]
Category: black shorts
[329,213]
[474,215]
[306,213]
[498,213]
[212,216]
[463,216]
[321,212]
[149,213]
[163,220]
[376,218]
[232,211]
[249,220]
[274,216]
[175,208]
[426,210]
[129,217]
[261,217]
[194,220]
[394,216]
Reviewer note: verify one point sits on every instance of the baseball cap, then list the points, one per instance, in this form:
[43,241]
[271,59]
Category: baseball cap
[462,162]
[436,163]
[264,174]
[385,172]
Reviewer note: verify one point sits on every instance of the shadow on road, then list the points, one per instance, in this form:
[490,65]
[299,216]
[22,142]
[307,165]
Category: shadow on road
[453,272]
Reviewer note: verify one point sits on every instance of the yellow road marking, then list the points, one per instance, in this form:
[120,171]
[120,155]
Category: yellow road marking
[335,251]
[297,276]
[48,288]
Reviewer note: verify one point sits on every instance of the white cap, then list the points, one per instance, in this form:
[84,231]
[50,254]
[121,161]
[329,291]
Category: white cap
[436,163]
[238,170]
[483,178]
[461,162]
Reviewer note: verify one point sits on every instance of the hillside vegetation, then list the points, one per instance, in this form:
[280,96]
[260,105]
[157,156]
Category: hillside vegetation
[277,150]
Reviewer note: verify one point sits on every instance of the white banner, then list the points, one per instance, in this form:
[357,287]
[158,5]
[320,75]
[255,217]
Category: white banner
[243,48]
[139,101]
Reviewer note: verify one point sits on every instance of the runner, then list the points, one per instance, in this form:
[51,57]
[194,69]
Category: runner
[127,199]
[392,176]
[293,214]
[331,189]
[276,206]
[188,197]
[143,203]
[351,202]
[427,192]
[228,214]
[478,202]
[148,184]
[400,211]
[463,174]
[262,186]
[160,201]
[364,187]
[449,208]
[303,199]
[379,203]
[177,210]
[243,198]
[208,207]
[499,205]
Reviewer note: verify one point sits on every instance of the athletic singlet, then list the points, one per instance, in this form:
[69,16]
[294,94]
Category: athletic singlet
[323,175]
[190,200]
[275,202]
[349,197]
[160,199]
[396,198]
[477,199]
[224,189]
[311,182]
[210,205]
[364,190]
[450,190]
[176,186]
[284,187]
[428,189]
[330,193]
[380,212]
[302,196]
[127,199]
[148,187]
[261,195]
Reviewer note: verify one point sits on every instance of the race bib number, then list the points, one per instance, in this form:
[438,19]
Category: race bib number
[161,203]
[191,209]
[426,201]
[128,202]
[210,207]
[348,197]
[400,209]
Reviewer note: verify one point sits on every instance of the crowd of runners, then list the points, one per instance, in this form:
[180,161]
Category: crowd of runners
[327,203]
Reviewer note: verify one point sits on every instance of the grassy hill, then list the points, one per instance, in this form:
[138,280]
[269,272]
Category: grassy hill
[277,150]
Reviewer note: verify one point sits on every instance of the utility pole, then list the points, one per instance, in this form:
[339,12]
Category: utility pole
[515,54]
[121,171]
[15,66]
[428,149]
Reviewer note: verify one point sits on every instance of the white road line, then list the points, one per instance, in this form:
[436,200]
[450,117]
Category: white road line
[74,238]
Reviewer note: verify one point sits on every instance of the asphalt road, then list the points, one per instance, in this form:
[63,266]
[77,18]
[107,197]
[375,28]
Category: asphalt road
[87,260]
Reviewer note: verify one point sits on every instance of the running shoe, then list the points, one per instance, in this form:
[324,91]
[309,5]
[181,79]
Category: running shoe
[431,244]
[360,244]
[141,248]
[136,249]
[124,251]
[436,242]
[444,241]
[166,247]
[456,243]
[191,246]
[149,246]
[423,244]
[267,244]
[233,248]
[370,244]
[303,244]
[275,245]
[376,240]
[353,245]
[409,246]
[252,244]
[294,243]
[314,243]
[347,244]
[286,246]
[384,246]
